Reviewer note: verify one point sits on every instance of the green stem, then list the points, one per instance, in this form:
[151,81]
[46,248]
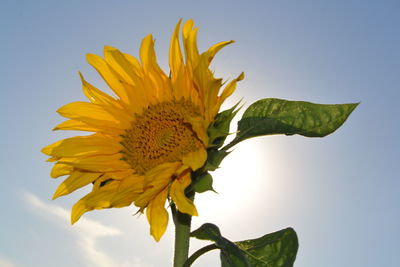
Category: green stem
[198,253]
[182,234]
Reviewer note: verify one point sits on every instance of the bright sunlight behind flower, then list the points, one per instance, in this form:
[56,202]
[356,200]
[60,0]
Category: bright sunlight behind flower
[149,139]
[159,138]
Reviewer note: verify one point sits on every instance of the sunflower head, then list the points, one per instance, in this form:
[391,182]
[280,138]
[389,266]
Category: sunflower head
[146,140]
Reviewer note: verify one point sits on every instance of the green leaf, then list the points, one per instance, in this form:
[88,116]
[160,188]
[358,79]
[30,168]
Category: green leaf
[231,255]
[277,249]
[204,183]
[219,129]
[278,116]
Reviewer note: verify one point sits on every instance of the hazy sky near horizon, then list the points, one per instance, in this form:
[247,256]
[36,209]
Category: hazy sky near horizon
[340,193]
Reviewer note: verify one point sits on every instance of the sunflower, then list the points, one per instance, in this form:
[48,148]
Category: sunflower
[147,139]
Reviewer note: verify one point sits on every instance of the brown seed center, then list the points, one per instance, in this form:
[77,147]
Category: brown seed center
[160,134]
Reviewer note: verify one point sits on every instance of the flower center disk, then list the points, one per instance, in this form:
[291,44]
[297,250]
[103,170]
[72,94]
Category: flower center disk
[160,134]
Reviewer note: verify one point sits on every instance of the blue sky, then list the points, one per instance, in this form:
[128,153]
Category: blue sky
[340,193]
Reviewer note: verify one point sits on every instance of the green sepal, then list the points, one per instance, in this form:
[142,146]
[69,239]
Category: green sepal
[203,183]
[278,116]
[207,231]
[230,255]
[276,249]
[219,129]
[214,159]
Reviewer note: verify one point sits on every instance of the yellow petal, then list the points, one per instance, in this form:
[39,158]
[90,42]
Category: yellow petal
[76,180]
[108,75]
[81,110]
[78,210]
[190,43]
[113,194]
[129,189]
[187,28]
[109,104]
[228,90]
[181,74]
[53,159]
[118,62]
[95,95]
[156,81]
[212,99]
[77,126]
[155,181]
[147,53]
[138,98]
[160,171]
[177,193]
[92,114]
[118,175]
[199,126]
[204,79]
[181,83]
[94,200]
[60,169]
[208,87]
[135,63]
[196,159]
[213,50]
[175,55]
[157,215]
[77,146]
[101,163]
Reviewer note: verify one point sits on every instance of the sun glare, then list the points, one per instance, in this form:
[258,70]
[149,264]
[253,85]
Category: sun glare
[241,179]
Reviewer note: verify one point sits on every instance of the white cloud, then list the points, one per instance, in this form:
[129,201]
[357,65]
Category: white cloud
[88,232]
[4,262]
